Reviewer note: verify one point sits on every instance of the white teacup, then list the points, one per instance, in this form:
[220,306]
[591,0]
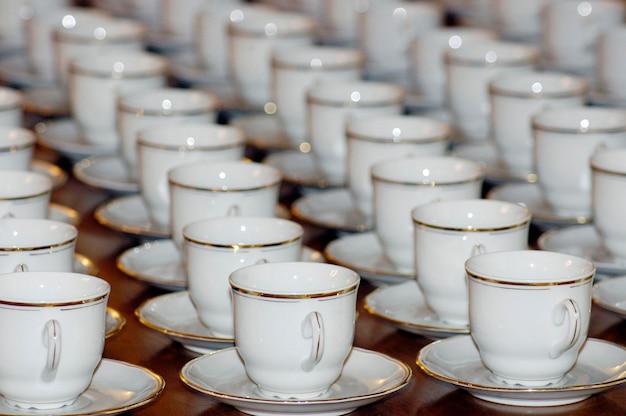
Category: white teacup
[159,106]
[24,194]
[608,196]
[16,148]
[402,184]
[515,99]
[92,35]
[610,68]
[447,233]
[11,107]
[53,336]
[428,73]
[32,244]
[518,21]
[529,313]
[178,19]
[96,83]
[375,139]
[253,35]
[215,247]
[332,105]
[565,140]
[161,148]
[339,21]
[570,31]
[294,325]
[468,73]
[296,70]
[219,189]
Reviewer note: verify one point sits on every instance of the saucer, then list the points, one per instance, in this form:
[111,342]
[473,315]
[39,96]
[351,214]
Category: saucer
[367,377]
[601,98]
[611,294]
[84,265]
[487,155]
[129,214]
[159,264]
[529,195]
[363,253]
[116,387]
[47,101]
[299,168]
[57,175]
[64,137]
[114,322]
[186,68]
[404,306]
[106,172]
[263,131]
[61,213]
[15,70]
[582,241]
[600,366]
[332,209]
[174,315]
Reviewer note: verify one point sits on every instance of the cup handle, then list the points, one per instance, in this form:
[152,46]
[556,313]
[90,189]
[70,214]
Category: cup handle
[233,211]
[313,327]
[52,340]
[568,308]
[21,268]
[478,249]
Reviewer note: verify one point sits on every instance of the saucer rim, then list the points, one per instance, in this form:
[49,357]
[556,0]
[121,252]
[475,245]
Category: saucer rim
[100,216]
[598,300]
[80,170]
[118,318]
[299,180]
[71,149]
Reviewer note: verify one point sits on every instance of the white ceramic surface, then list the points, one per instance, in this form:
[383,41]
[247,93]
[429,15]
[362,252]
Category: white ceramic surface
[64,137]
[299,168]
[368,376]
[130,215]
[106,172]
[611,294]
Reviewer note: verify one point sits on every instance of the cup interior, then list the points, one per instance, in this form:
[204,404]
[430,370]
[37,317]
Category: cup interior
[610,161]
[23,184]
[225,176]
[15,138]
[398,128]
[539,85]
[29,234]
[427,170]
[168,101]
[191,136]
[49,288]
[318,58]
[581,120]
[357,93]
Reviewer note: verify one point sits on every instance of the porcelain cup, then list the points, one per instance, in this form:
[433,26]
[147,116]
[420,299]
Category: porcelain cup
[253,35]
[219,189]
[565,140]
[608,185]
[570,31]
[31,244]
[11,107]
[159,106]
[447,233]
[610,69]
[96,83]
[529,313]
[331,106]
[162,148]
[24,194]
[17,146]
[53,336]
[215,247]
[375,139]
[339,21]
[91,36]
[178,20]
[295,71]
[515,99]
[468,73]
[518,21]
[400,185]
[386,30]
[428,73]
[294,325]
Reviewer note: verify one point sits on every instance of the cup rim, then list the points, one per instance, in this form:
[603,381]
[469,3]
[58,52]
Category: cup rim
[442,135]
[174,95]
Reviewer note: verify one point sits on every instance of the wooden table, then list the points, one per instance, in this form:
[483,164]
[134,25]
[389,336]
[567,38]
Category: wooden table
[424,395]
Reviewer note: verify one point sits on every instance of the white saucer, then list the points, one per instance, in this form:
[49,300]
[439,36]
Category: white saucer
[529,195]
[600,98]
[611,294]
[159,264]
[582,241]
[15,70]
[332,209]
[61,213]
[487,155]
[263,131]
[404,306]
[47,101]
[174,315]
[600,366]
[64,137]
[367,376]
[299,168]
[114,322]
[57,175]
[84,265]
[116,387]
[185,67]
[106,172]
[129,214]
[363,253]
